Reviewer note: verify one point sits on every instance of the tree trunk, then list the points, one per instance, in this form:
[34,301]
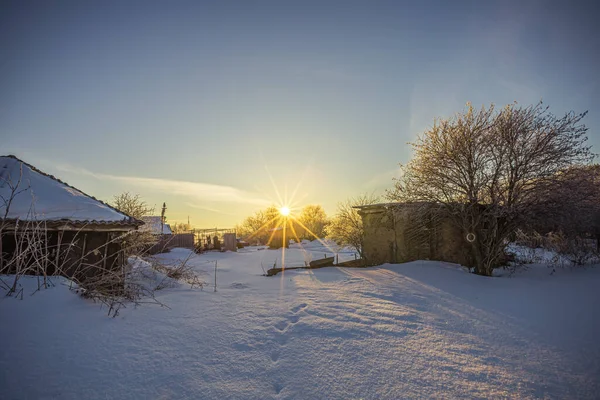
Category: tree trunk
[478,265]
[481,264]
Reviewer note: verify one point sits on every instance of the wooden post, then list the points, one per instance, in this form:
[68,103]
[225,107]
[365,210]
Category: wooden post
[105,250]
[83,248]
[215,275]
[122,259]
[57,259]
[46,254]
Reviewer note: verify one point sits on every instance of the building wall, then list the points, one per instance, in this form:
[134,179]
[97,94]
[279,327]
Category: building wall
[395,235]
[452,245]
[86,255]
[75,254]
[379,239]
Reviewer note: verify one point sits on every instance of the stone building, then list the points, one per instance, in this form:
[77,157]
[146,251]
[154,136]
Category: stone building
[402,232]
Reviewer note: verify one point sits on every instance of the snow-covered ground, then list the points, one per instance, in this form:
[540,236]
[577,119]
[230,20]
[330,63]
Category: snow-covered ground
[416,330]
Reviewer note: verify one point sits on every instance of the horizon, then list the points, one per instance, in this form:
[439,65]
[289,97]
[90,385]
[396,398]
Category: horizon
[220,110]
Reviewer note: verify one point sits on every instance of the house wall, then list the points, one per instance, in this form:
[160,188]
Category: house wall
[75,254]
[87,255]
[394,236]
[452,246]
[379,239]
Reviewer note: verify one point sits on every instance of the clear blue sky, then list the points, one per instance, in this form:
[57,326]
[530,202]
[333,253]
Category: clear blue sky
[205,105]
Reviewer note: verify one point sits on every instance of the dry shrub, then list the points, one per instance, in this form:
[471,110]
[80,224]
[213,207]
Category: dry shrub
[555,249]
[577,251]
[139,284]
[181,272]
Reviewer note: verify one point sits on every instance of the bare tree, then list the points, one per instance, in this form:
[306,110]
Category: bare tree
[139,241]
[314,221]
[487,169]
[258,227]
[180,227]
[570,205]
[346,226]
[132,205]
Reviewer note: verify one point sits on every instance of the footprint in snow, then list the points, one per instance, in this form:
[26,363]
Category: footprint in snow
[275,356]
[293,319]
[281,325]
[242,346]
[298,308]
[278,387]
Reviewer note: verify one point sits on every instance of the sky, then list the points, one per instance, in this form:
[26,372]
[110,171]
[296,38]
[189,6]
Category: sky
[220,108]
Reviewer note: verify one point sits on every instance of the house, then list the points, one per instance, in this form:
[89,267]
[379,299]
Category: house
[156,226]
[49,227]
[402,232]
[162,235]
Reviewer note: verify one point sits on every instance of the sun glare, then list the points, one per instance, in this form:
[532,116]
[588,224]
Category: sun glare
[282,228]
[285,211]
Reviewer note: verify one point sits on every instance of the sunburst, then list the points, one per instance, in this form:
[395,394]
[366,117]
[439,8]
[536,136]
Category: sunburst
[286,220]
[285,211]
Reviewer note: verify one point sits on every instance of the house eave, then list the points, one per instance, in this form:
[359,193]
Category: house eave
[66,225]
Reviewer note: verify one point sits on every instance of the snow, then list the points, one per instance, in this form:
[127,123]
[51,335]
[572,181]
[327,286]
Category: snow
[527,255]
[41,197]
[414,330]
[153,225]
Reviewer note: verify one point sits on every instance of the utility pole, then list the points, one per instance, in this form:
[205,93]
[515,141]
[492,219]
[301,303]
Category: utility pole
[162,218]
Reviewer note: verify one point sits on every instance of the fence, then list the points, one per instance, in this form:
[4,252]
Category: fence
[185,240]
[206,236]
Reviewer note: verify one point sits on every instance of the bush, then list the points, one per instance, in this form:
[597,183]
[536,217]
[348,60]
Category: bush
[576,250]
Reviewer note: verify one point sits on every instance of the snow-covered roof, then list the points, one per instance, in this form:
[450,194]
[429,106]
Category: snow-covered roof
[30,194]
[153,225]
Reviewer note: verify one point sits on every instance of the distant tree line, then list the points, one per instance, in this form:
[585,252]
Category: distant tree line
[310,223]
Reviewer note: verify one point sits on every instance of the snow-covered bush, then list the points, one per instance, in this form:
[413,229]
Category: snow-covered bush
[555,250]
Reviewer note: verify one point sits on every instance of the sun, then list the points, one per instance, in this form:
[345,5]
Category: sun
[285,211]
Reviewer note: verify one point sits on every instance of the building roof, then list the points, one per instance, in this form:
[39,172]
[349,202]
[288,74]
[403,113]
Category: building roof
[378,205]
[26,193]
[153,225]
